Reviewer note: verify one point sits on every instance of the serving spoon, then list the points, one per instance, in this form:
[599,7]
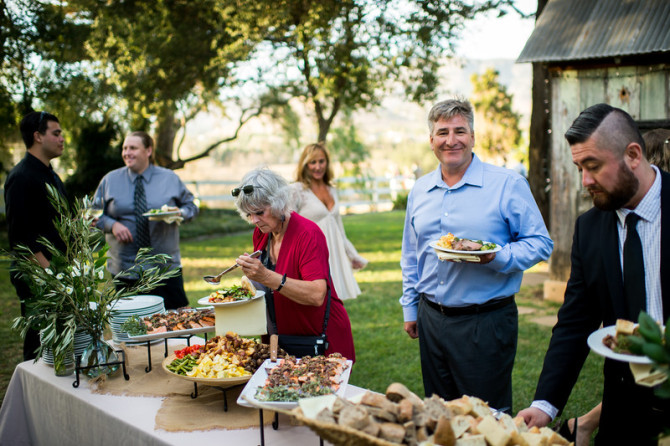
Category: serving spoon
[214,280]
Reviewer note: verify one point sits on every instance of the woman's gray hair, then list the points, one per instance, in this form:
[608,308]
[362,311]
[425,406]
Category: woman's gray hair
[270,190]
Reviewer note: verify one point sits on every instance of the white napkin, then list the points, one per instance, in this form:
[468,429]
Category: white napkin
[444,256]
[647,375]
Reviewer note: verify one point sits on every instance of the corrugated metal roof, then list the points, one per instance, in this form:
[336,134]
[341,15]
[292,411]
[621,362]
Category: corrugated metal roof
[592,29]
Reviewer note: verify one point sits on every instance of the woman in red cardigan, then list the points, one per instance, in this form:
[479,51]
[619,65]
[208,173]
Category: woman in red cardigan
[294,263]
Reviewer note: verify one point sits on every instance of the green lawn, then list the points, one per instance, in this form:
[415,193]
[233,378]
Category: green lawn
[384,351]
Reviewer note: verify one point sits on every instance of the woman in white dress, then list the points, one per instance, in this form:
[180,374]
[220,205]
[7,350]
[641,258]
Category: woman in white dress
[316,199]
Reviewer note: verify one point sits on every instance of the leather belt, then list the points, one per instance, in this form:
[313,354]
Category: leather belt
[470,309]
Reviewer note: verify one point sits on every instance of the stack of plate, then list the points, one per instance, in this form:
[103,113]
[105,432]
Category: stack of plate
[134,305]
[81,340]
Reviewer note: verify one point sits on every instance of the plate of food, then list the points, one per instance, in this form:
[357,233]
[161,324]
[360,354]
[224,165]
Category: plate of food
[233,295]
[223,361]
[164,211]
[282,383]
[457,245]
[170,324]
[229,378]
[610,342]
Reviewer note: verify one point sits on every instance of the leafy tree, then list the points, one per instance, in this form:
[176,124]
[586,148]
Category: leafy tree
[349,53]
[169,59]
[97,157]
[497,129]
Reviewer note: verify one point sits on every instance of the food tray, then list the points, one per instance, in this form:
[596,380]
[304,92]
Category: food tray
[248,396]
[172,334]
[205,301]
[218,382]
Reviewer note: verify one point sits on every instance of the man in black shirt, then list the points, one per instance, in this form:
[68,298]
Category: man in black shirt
[30,214]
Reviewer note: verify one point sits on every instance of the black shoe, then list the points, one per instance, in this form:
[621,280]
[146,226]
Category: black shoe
[564,430]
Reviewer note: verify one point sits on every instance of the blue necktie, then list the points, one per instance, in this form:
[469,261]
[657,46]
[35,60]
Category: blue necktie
[142,238]
[633,269]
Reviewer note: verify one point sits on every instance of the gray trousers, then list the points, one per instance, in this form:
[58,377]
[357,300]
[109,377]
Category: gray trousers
[469,354]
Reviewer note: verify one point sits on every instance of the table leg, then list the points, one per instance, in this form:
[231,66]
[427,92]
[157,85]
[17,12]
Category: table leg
[260,414]
[147,369]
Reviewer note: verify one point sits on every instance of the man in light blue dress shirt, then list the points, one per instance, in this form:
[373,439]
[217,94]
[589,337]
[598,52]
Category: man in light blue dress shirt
[115,195]
[464,312]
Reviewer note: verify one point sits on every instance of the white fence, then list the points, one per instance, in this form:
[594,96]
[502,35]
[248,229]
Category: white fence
[355,194]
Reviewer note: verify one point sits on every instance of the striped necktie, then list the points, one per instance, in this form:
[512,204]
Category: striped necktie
[142,238]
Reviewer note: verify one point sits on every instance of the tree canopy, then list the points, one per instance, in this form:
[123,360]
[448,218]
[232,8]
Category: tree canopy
[498,132]
[156,64]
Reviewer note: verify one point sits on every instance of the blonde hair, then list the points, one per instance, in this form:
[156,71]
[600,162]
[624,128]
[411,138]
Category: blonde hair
[658,147]
[307,155]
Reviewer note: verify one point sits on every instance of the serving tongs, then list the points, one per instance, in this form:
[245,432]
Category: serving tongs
[214,280]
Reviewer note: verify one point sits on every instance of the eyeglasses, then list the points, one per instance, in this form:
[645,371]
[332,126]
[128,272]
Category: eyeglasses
[248,189]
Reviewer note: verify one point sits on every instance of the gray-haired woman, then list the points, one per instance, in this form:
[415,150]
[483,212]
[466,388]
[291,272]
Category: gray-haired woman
[294,264]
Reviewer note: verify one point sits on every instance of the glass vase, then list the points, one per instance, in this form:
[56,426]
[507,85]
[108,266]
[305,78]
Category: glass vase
[96,356]
[64,366]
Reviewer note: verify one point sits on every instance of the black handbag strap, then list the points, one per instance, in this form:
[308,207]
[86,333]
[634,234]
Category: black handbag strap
[265,260]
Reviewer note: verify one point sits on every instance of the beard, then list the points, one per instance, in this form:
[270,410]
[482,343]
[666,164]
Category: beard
[625,189]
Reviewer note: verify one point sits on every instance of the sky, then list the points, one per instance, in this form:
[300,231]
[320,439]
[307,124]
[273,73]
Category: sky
[490,37]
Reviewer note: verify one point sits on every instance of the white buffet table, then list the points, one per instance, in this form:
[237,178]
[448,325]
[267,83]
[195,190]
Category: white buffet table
[42,409]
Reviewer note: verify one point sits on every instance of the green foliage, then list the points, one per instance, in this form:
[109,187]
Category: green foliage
[95,156]
[74,292]
[400,202]
[655,344]
[346,147]
[497,128]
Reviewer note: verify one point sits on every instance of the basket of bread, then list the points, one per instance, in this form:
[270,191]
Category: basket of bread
[401,417]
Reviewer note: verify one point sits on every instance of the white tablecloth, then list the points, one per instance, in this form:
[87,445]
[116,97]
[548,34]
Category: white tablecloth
[43,409]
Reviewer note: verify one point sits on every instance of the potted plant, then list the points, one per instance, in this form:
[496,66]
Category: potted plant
[75,292]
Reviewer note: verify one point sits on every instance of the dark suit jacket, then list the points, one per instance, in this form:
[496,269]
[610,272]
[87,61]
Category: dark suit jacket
[594,295]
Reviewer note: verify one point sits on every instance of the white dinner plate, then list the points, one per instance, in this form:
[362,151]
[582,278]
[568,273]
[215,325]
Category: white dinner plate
[161,214]
[205,301]
[595,341]
[248,396]
[470,253]
[129,304]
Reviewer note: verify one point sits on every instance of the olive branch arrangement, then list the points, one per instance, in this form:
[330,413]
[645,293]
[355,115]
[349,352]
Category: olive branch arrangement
[655,344]
[75,292]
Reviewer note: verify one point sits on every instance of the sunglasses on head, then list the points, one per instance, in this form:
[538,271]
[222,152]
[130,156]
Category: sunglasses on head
[248,189]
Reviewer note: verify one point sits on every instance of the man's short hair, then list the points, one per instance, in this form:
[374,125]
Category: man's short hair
[35,122]
[450,108]
[621,130]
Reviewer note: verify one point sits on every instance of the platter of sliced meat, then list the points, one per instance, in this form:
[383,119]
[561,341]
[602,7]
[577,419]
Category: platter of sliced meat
[282,383]
[177,323]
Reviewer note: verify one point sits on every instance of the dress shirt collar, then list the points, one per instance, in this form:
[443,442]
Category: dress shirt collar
[474,176]
[650,206]
[146,174]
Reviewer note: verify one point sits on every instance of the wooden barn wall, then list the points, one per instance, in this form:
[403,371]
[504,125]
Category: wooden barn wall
[641,91]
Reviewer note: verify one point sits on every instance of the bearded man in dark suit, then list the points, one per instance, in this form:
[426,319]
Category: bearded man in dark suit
[609,152]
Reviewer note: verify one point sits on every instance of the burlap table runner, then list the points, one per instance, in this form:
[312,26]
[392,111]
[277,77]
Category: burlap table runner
[179,412]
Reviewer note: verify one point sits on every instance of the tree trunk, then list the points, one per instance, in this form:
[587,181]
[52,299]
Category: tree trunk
[165,136]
